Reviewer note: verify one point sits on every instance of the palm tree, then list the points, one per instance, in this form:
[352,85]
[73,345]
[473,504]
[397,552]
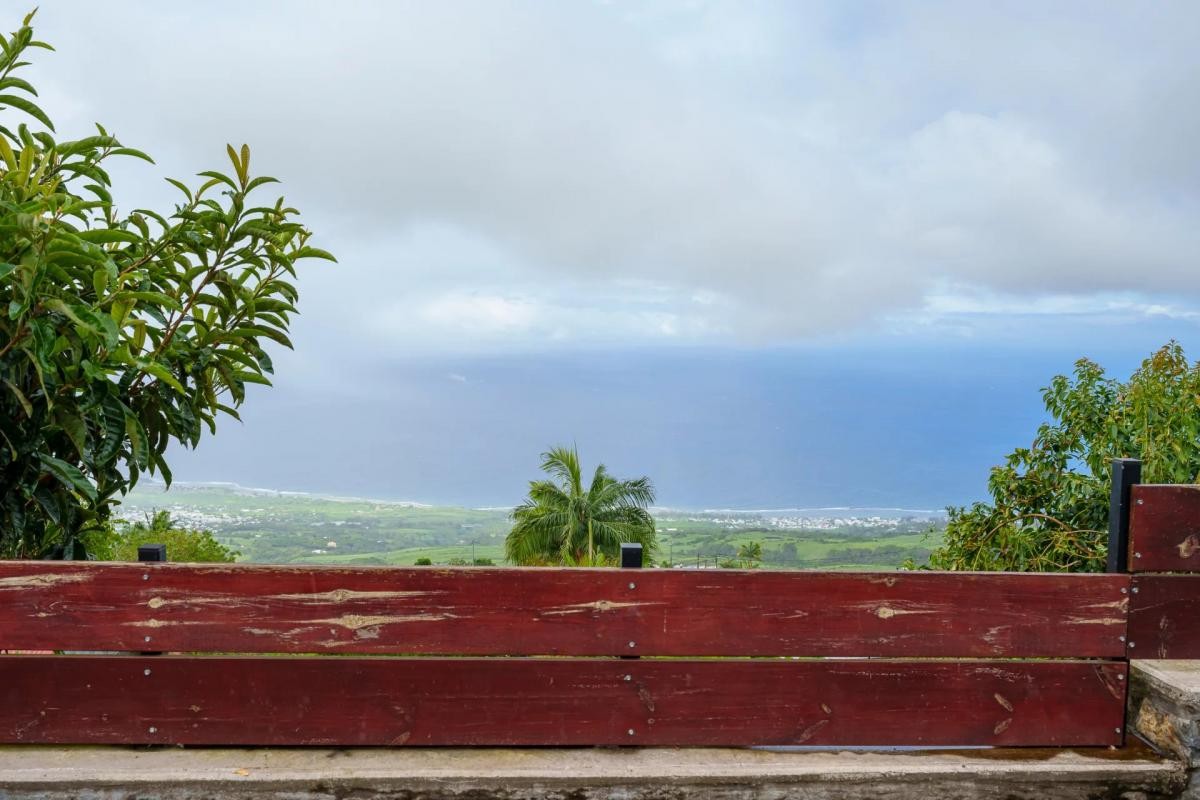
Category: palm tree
[562,523]
[751,553]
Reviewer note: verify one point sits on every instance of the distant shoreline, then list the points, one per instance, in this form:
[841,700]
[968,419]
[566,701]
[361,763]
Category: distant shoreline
[854,511]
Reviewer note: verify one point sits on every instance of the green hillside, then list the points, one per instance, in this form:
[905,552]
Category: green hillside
[295,528]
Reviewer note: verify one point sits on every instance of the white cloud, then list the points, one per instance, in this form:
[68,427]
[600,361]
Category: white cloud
[630,314]
[498,175]
[478,313]
[962,311]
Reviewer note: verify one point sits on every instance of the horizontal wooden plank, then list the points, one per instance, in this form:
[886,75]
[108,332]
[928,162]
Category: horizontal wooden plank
[1164,528]
[1164,616]
[475,611]
[276,700]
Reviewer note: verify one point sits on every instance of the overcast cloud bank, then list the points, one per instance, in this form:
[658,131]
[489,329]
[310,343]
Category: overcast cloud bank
[508,173]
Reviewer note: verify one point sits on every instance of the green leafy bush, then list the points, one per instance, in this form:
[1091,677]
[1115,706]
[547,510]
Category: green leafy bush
[119,333]
[1049,508]
[120,542]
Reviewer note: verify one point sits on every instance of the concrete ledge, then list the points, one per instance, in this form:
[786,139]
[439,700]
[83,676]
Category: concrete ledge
[108,773]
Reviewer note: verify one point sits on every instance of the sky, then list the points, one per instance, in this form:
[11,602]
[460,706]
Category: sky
[769,254]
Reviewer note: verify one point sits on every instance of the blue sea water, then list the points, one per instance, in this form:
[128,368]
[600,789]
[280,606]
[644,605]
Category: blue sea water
[878,426]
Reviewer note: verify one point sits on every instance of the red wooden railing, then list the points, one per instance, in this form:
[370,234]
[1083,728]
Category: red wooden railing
[1164,546]
[267,655]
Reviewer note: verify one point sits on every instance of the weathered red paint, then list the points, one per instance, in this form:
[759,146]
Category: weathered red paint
[473,611]
[1164,528]
[429,701]
[1164,616]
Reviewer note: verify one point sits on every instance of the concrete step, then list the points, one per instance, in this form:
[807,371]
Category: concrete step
[107,773]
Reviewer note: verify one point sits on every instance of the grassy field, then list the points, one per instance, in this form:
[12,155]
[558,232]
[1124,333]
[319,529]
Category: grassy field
[293,528]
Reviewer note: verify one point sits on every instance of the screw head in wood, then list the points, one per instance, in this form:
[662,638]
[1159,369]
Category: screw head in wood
[153,730]
[628,677]
[633,644]
[631,731]
[1135,590]
[1137,555]
[633,586]
[145,576]
[147,638]
[145,672]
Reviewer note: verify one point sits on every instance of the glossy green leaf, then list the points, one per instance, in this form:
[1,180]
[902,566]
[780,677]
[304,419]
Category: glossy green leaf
[139,448]
[313,252]
[21,398]
[163,374]
[11,82]
[109,235]
[75,428]
[129,151]
[69,475]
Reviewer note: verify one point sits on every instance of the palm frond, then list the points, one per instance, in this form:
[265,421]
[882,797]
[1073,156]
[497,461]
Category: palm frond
[600,480]
[563,463]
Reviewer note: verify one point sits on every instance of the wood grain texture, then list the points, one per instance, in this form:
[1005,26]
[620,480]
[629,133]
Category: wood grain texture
[277,700]
[1164,528]
[1164,617]
[476,611]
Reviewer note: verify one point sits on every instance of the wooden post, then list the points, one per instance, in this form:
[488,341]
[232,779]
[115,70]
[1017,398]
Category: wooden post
[152,553]
[631,558]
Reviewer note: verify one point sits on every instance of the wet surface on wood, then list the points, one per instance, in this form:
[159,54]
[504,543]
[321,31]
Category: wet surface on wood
[387,701]
[474,611]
